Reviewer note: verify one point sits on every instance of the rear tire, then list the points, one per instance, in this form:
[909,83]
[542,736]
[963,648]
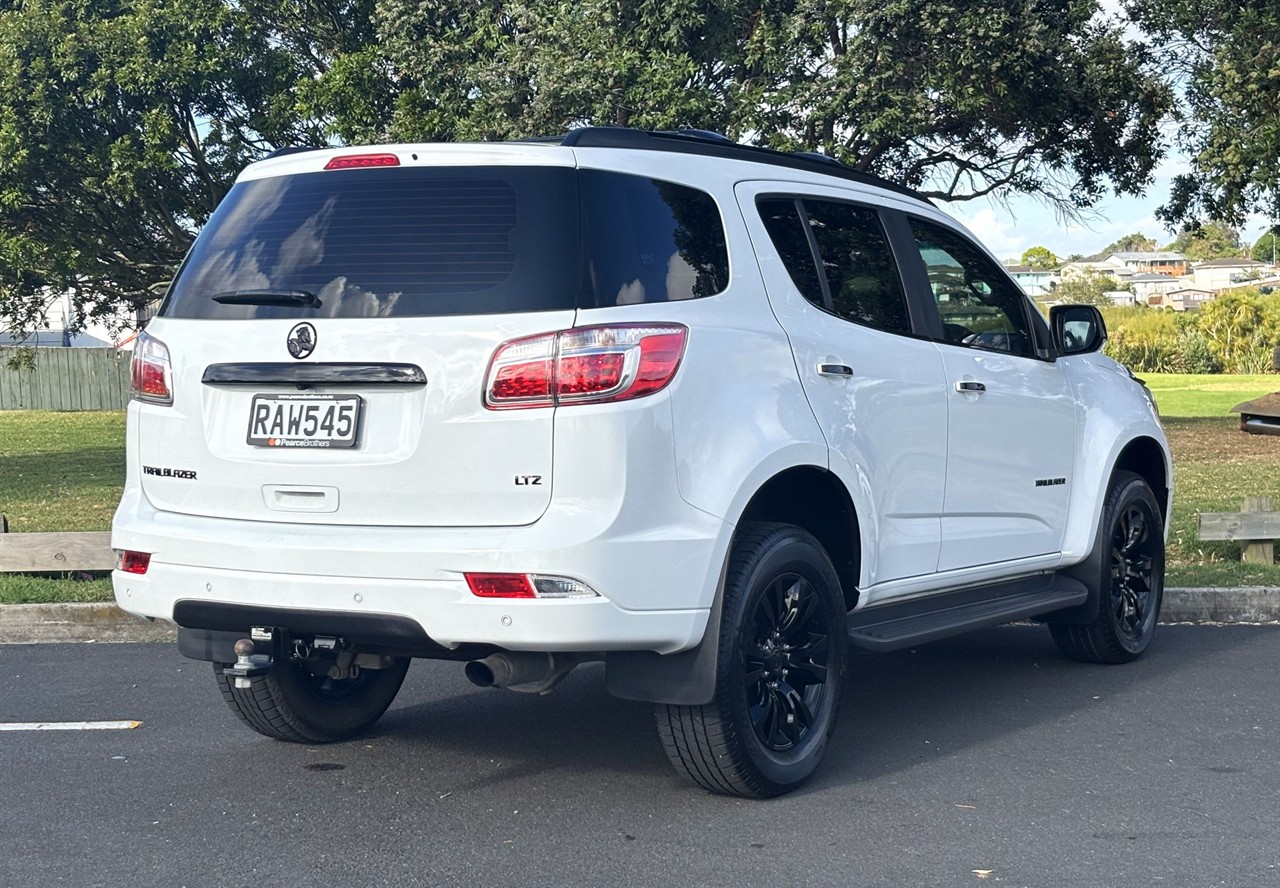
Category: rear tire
[779,674]
[290,703]
[1131,585]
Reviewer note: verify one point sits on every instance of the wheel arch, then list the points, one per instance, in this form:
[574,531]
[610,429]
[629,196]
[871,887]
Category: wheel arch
[1144,456]
[808,496]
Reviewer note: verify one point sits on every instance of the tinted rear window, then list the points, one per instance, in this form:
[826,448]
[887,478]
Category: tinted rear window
[422,241]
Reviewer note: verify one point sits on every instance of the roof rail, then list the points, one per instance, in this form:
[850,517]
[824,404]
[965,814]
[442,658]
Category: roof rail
[705,143]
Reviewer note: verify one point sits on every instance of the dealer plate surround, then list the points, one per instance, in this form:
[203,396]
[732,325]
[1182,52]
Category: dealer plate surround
[306,420]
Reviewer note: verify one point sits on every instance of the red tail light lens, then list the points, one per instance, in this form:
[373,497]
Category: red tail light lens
[151,373]
[133,562]
[585,365]
[362,161]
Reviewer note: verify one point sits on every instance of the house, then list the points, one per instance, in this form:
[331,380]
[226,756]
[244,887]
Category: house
[1035,282]
[1122,297]
[1188,298]
[1219,274]
[1149,284]
[1098,263]
[1150,262]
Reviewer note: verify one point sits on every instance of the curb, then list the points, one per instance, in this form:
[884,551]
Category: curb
[105,622]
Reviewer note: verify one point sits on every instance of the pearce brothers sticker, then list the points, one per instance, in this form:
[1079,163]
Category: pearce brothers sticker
[183,474]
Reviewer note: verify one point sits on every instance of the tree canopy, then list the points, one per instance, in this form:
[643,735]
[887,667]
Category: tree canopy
[123,122]
[1087,287]
[1039,257]
[1212,240]
[1130,243]
[1267,247]
[121,127]
[1226,56]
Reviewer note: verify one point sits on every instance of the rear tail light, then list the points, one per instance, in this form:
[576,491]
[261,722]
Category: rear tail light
[133,562]
[503,585]
[151,373]
[584,365]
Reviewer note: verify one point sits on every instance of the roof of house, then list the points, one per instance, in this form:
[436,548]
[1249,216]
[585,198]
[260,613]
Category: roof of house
[1187,290]
[1027,269]
[1228,263]
[1156,256]
[1151,277]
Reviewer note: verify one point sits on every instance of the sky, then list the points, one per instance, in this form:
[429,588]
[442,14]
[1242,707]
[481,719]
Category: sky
[1029,223]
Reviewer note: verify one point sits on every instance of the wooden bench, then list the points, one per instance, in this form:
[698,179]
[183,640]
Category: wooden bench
[1256,527]
[47,552]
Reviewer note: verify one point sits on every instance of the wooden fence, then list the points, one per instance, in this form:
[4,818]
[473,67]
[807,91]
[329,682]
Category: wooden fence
[64,379]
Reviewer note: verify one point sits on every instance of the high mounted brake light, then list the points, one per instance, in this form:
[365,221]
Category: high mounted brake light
[584,365]
[362,161]
[150,372]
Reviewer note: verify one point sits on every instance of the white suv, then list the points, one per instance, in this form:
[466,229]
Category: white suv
[698,410]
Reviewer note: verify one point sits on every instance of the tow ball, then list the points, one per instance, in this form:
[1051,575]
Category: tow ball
[248,664]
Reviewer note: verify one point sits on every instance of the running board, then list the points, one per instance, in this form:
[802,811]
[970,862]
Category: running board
[887,627]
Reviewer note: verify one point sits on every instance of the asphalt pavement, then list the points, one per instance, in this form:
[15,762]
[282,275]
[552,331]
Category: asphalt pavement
[980,760]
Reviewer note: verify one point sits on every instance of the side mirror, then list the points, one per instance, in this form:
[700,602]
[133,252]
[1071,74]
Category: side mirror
[1077,329]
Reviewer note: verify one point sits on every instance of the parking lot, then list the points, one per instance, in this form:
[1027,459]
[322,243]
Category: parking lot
[982,760]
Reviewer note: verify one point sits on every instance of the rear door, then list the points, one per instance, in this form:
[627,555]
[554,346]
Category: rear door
[876,388]
[330,333]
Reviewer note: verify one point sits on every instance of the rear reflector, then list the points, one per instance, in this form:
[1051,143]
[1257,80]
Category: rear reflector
[133,562]
[491,585]
[362,161]
[500,585]
[584,365]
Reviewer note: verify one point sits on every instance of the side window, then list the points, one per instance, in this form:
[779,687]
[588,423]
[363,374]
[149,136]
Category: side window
[649,241]
[979,306]
[859,266]
[782,220]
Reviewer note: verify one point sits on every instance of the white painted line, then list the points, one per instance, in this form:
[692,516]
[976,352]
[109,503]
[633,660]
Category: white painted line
[70,726]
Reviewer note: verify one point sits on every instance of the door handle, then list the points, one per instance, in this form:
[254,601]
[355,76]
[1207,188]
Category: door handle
[968,386]
[835,370]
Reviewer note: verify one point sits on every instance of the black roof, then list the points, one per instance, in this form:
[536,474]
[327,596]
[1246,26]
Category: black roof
[700,142]
[708,144]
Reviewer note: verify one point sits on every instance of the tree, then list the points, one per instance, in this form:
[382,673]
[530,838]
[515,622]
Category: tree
[1130,243]
[1267,248]
[1212,240]
[122,124]
[1040,257]
[1088,287]
[958,99]
[1226,56]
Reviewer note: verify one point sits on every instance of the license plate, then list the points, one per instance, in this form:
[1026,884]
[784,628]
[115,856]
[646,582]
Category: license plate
[304,420]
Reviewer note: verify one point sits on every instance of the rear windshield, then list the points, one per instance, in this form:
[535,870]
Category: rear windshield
[425,241]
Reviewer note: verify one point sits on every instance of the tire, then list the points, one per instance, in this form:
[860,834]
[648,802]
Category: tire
[783,640]
[290,703]
[1130,587]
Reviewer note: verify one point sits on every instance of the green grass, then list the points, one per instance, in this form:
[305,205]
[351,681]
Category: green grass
[1187,395]
[64,471]
[59,471]
[23,589]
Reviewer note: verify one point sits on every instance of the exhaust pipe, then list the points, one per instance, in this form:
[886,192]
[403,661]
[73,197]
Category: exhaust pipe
[529,673]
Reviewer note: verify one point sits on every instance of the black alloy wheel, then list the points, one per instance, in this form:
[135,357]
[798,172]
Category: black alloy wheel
[1133,554]
[784,651]
[1131,584]
[779,670]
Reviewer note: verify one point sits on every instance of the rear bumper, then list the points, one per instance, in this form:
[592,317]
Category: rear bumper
[656,583]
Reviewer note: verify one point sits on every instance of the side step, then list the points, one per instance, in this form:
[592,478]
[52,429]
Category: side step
[891,626]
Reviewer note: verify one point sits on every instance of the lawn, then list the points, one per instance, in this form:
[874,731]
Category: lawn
[63,471]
